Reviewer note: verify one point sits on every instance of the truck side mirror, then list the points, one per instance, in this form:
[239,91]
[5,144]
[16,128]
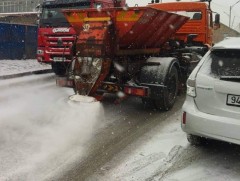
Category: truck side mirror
[38,10]
[37,22]
[216,22]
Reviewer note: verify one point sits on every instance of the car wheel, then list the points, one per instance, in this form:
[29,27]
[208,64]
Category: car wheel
[196,140]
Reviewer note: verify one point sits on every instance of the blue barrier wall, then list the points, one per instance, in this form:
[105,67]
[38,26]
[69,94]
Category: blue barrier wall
[17,41]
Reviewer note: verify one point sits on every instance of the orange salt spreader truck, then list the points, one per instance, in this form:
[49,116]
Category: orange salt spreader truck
[146,52]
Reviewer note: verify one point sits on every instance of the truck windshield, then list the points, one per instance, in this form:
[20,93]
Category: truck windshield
[193,15]
[53,17]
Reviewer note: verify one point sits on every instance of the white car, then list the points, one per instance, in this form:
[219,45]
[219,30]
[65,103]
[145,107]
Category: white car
[212,106]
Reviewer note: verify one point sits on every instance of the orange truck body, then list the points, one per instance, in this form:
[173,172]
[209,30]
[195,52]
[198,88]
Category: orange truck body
[115,32]
[152,46]
[136,30]
[201,26]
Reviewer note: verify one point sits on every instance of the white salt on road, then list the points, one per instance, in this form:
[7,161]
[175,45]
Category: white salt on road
[40,132]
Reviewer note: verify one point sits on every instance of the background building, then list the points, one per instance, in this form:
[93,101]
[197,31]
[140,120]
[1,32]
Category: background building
[223,32]
[9,6]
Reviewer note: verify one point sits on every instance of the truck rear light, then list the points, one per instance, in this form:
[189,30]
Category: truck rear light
[136,91]
[191,87]
[184,117]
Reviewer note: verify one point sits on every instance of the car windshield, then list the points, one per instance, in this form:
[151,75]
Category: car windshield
[53,17]
[222,64]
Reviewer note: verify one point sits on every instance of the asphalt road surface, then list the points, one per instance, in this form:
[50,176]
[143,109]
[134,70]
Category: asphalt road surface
[45,137]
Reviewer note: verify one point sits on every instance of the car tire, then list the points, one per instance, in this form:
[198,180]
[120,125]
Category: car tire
[196,140]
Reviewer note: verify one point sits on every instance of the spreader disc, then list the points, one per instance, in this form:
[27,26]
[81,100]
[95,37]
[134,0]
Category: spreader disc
[81,98]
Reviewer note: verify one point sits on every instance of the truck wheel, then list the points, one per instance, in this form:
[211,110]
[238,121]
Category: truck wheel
[196,140]
[147,102]
[167,101]
[59,68]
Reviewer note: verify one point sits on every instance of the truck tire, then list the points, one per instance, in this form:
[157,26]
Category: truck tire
[168,99]
[59,68]
[147,102]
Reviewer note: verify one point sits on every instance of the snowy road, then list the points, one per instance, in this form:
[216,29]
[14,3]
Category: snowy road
[45,137]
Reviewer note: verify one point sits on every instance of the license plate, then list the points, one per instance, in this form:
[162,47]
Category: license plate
[111,87]
[59,59]
[233,100]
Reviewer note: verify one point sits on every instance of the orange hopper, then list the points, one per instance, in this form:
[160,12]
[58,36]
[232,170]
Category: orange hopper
[104,34]
[134,28]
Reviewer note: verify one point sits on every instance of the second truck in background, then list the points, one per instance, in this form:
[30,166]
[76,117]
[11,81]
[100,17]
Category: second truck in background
[54,28]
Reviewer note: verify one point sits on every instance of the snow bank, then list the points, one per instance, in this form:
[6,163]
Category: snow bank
[9,67]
